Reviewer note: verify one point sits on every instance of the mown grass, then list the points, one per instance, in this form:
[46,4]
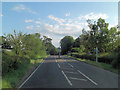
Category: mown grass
[11,79]
[100,65]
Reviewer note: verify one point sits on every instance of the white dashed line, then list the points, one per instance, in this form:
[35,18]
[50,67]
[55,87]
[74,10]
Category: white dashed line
[67,78]
[78,79]
[87,77]
[68,68]
[71,72]
[58,65]
[71,65]
[30,76]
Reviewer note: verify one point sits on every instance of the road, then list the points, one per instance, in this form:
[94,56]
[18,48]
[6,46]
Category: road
[69,73]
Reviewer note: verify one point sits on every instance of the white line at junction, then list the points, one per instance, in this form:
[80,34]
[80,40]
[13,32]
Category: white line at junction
[88,78]
[67,78]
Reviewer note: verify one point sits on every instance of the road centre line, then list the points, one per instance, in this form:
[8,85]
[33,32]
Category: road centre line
[70,65]
[55,60]
[78,79]
[58,65]
[30,75]
[67,78]
[87,78]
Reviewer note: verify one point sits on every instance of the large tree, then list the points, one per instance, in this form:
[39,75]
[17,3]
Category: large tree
[50,48]
[66,44]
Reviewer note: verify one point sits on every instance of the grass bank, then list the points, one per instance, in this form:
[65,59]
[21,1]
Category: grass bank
[99,64]
[11,79]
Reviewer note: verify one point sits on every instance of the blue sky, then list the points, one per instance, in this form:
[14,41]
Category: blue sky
[55,20]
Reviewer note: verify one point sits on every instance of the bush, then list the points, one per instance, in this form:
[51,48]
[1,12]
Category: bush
[116,62]
[84,56]
[10,63]
[104,58]
[6,62]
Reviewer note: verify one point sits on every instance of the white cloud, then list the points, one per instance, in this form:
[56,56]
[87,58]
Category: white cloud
[30,27]
[94,16]
[37,22]
[111,25]
[65,26]
[67,14]
[63,29]
[22,7]
[27,21]
[38,18]
[38,26]
[30,20]
[59,20]
[1,15]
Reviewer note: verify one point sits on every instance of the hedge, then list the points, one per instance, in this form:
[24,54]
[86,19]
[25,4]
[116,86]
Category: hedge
[105,59]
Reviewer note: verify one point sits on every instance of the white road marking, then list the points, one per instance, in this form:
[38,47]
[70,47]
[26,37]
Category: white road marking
[71,72]
[87,77]
[58,65]
[68,68]
[70,65]
[55,60]
[67,78]
[30,76]
[78,79]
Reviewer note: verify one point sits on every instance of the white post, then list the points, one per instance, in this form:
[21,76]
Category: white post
[96,55]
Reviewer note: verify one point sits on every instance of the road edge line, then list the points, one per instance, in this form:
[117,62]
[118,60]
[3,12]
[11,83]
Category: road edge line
[71,65]
[30,75]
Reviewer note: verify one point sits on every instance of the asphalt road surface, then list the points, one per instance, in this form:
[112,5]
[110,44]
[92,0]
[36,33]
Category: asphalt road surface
[69,73]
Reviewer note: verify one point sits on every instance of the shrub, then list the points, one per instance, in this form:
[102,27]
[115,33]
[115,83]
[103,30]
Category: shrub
[108,58]
[116,62]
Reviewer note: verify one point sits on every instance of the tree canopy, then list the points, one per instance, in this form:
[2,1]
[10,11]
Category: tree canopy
[66,44]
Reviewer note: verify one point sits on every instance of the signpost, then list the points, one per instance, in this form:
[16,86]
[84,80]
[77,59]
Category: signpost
[96,55]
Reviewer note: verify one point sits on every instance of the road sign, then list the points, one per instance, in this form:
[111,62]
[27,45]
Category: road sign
[59,49]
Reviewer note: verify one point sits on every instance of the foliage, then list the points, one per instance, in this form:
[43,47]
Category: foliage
[25,47]
[105,58]
[100,36]
[99,64]
[11,79]
[66,44]
[50,48]
[116,61]
[78,50]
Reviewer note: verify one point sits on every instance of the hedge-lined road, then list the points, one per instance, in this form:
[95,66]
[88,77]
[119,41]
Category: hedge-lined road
[69,73]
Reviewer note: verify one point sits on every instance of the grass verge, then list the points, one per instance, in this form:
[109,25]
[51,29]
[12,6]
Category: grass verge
[11,79]
[100,65]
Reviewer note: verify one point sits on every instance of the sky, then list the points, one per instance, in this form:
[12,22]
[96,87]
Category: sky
[55,19]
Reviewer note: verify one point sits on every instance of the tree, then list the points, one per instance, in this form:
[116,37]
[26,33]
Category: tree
[16,41]
[99,34]
[5,43]
[33,45]
[77,42]
[66,44]
[50,48]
